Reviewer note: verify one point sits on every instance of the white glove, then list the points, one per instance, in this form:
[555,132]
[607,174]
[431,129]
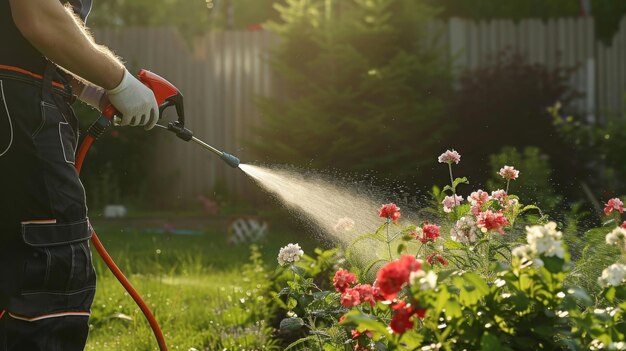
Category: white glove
[94,96]
[135,102]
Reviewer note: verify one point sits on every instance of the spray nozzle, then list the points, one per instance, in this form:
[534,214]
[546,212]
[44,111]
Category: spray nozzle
[230,160]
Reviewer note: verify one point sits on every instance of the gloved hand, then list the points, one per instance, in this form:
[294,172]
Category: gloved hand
[135,102]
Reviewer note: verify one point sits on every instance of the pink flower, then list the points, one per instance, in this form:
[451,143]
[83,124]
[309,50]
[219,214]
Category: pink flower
[435,258]
[508,173]
[389,211]
[623,225]
[614,204]
[489,220]
[343,279]
[350,298]
[475,209]
[451,201]
[499,195]
[392,276]
[366,293]
[449,156]
[430,232]
[478,197]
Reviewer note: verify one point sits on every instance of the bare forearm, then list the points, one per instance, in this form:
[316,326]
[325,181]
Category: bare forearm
[61,38]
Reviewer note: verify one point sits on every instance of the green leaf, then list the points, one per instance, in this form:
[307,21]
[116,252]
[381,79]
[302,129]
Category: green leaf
[298,270]
[311,338]
[458,181]
[609,293]
[291,303]
[530,207]
[553,264]
[367,322]
[490,342]
[472,288]
[291,324]
[448,188]
[412,339]
[453,308]
[401,248]
[453,245]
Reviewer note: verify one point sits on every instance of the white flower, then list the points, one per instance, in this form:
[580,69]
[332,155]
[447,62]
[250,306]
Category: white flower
[344,224]
[425,280]
[615,236]
[524,253]
[464,231]
[537,263]
[613,275]
[545,240]
[289,254]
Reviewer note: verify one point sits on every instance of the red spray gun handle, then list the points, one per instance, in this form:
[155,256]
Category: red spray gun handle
[166,95]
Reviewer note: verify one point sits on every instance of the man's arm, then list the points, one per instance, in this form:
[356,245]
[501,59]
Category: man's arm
[58,35]
[48,26]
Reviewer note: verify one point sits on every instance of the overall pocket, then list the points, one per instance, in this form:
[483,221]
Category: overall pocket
[55,142]
[6,125]
[55,137]
[58,274]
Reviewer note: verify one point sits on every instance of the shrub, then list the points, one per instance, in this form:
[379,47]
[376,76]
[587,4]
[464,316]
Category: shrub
[598,150]
[504,103]
[363,87]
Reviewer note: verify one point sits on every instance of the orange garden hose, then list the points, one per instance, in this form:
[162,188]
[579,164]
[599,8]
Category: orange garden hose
[80,157]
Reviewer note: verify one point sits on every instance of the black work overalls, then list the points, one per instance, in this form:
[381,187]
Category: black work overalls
[47,280]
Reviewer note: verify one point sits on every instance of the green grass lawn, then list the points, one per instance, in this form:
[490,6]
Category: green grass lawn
[205,293]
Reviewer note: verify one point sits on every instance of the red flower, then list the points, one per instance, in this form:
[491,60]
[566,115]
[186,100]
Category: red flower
[489,220]
[614,204]
[343,279]
[378,295]
[435,258]
[366,293]
[356,334]
[392,276]
[389,211]
[342,318]
[401,318]
[623,225]
[350,298]
[430,232]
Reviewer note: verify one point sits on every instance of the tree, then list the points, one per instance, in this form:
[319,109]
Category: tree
[363,87]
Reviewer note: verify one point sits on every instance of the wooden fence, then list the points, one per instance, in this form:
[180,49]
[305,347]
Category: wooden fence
[224,72]
[219,79]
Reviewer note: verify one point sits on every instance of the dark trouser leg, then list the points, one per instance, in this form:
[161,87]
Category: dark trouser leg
[67,333]
[47,280]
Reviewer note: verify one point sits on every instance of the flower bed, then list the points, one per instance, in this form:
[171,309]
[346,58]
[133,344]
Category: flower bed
[486,273]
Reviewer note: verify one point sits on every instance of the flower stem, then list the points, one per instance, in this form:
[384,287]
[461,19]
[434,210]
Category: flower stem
[451,178]
[389,242]
[507,186]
